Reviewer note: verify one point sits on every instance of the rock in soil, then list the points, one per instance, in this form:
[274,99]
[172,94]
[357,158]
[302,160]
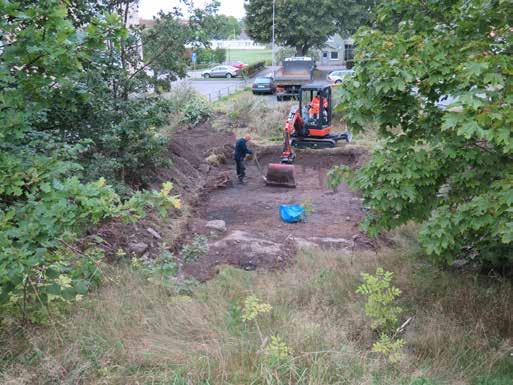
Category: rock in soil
[213,160]
[154,233]
[248,244]
[302,243]
[204,168]
[333,243]
[138,247]
[217,225]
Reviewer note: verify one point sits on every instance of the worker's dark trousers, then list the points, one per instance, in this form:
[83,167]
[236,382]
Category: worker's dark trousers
[241,168]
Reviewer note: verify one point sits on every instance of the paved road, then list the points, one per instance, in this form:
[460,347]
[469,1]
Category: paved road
[213,89]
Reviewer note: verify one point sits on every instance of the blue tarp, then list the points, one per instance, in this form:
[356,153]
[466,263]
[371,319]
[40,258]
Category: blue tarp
[292,213]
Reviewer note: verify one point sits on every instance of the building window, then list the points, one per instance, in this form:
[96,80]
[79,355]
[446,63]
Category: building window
[325,55]
[334,55]
[348,52]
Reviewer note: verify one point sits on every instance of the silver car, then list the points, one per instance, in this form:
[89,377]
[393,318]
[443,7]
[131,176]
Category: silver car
[339,76]
[220,72]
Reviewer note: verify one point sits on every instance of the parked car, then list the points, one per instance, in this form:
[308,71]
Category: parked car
[237,64]
[221,72]
[264,85]
[338,76]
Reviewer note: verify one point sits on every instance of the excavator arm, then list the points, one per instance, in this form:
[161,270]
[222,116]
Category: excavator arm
[282,174]
[294,124]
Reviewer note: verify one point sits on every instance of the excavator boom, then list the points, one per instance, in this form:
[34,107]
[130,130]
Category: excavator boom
[282,174]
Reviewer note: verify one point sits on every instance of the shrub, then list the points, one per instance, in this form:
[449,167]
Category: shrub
[158,270]
[125,143]
[336,175]
[381,296]
[242,109]
[380,308]
[260,117]
[196,249]
[49,210]
[277,353]
[389,347]
[446,154]
[209,56]
[196,110]
[252,69]
[253,307]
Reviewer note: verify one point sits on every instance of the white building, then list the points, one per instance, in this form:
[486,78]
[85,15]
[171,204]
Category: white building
[236,44]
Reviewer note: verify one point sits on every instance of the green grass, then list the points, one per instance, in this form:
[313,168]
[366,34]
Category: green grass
[134,331]
[249,56]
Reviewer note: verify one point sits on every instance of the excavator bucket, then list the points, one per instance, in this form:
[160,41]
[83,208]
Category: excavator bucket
[279,174]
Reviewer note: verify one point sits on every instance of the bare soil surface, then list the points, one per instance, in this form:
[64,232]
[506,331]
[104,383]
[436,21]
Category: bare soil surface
[255,236]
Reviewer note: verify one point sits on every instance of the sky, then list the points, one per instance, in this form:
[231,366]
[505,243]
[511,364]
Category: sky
[149,8]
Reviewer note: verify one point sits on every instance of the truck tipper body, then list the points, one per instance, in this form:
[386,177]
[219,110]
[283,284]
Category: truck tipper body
[293,73]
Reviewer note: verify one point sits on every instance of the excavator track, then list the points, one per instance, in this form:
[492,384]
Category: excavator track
[315,143]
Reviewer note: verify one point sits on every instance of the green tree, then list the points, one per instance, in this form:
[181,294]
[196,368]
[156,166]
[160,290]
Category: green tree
[165,52]
[298,23]
[353,14]
[447,164]
[226,27]
[68,126]
[302,24]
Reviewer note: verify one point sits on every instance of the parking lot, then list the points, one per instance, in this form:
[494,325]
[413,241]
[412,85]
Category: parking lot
[213,89]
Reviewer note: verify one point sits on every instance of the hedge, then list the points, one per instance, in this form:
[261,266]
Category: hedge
[251,69]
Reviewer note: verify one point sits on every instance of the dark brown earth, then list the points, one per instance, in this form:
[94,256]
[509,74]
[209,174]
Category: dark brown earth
[256,237]
[203,174]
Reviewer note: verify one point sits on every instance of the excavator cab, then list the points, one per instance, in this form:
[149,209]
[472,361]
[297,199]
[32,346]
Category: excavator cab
[308,126]
[315,106]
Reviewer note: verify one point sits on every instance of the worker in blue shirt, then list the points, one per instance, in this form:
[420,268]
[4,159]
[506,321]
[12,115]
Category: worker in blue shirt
[241,150]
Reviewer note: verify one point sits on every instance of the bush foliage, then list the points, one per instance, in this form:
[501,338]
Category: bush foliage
[75,122]
[252,69]
[436,78]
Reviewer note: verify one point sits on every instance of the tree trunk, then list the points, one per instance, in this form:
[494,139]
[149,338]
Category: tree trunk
[123,47]
[302,50]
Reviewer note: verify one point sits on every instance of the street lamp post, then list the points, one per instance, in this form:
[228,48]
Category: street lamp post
[274,6]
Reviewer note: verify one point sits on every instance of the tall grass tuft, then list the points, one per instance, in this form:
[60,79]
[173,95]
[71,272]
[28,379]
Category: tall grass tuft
[134,332]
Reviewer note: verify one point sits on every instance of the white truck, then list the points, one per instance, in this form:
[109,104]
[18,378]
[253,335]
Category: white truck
[293,73]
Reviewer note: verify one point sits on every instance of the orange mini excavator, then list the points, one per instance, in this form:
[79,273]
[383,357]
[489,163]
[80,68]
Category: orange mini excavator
[308,126]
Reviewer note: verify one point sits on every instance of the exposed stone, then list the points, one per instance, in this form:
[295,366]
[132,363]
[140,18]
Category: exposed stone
[138,247]
[214,160]
[249,244]
[204,168]
[154,233]
[334,243]
[459,263]
[217,224]
[302,243]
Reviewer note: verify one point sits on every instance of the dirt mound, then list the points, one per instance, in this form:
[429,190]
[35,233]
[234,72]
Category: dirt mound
[188,149]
